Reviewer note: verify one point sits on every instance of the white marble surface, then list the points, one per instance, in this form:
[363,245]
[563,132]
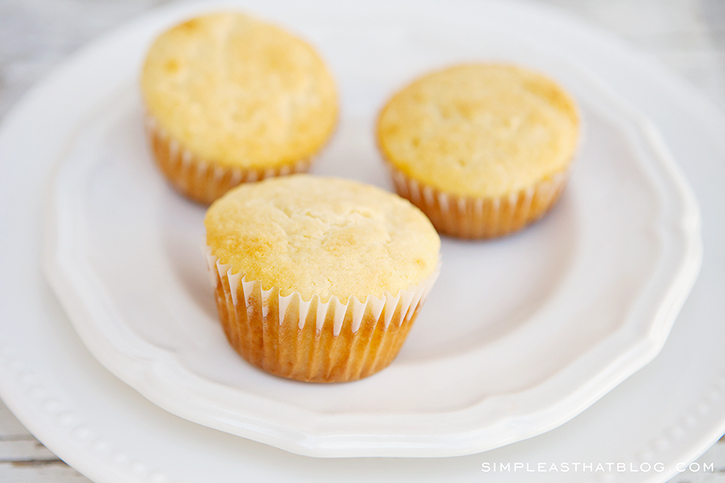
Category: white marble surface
[36,35]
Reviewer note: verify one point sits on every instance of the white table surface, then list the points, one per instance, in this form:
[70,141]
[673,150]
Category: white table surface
[36,35]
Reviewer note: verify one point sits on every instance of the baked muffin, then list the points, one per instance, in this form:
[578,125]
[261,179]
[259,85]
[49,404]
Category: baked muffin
[482,149]
[318,279]
[231,99]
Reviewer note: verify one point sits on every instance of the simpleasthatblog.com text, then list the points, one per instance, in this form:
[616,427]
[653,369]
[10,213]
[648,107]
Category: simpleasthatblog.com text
[609,467]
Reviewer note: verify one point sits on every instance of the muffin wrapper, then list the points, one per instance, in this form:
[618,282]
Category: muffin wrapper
[313,340]
[200,180]
[475,218]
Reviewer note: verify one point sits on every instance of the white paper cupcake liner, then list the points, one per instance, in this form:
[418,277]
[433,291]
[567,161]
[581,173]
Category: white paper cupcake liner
[474,218]
[201,180]
[312,340]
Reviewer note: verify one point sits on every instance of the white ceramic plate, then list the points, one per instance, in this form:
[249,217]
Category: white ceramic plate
[520,334]
[668,412]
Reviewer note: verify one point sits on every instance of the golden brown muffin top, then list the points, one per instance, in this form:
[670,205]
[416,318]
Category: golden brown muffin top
[239,92]
[480,130]
[323,236]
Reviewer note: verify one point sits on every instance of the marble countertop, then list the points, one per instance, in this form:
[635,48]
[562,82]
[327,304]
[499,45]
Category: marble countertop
[36,35]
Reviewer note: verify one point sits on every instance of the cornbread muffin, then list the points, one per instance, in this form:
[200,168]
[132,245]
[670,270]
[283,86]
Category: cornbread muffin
[482,149]
[318,279]
[231,99]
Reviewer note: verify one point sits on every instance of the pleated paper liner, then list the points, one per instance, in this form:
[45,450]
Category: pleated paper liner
[477,218]
[200,180]
[312,340]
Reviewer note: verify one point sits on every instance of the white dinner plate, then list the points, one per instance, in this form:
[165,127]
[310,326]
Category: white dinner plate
[668,412]
[519,335]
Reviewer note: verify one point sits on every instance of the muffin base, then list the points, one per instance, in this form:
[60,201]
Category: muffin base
[480,218]
[200,180]
[313,341]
